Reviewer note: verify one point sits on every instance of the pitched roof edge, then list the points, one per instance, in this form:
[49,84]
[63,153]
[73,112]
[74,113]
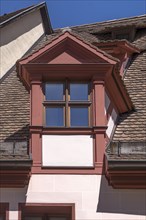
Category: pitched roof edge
[105,22]
[77,37]
[47,24]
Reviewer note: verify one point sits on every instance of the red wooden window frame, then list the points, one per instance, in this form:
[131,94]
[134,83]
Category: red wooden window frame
[66,210]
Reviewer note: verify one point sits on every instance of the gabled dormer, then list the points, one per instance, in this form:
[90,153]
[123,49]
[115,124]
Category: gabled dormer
[75,90]
[121,49]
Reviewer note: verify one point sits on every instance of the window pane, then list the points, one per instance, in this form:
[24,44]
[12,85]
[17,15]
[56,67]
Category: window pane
[54,116]
[54,91]
[79,91]
[79,116]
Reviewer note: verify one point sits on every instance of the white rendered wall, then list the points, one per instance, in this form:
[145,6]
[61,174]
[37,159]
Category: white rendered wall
[93,198]
[67,150]
[111,123]
[17,38]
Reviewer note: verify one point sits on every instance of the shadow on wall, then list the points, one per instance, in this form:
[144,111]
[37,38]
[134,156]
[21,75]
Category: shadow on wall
[13,196]
[121,201]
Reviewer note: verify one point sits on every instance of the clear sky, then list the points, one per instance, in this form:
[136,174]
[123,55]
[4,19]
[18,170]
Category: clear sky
[65,13]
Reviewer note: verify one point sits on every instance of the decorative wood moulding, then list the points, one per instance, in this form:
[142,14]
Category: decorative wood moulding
[126,174]
[14,178]
[121,49]
[117,47]
[85,131]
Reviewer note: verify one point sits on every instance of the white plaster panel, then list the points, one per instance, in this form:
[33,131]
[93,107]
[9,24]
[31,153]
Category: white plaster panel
[107,102]
[111,123]
[67,150]
[17,38]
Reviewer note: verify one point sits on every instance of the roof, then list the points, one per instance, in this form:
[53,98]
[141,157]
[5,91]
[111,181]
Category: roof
[11,17]
[107,26]
[6,17]
[131,126]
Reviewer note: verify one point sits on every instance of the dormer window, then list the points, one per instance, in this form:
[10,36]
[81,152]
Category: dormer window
[67,104]
[128,34]
[68,136]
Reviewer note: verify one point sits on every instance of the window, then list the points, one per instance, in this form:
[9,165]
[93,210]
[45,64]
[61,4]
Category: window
[67,104]
[64,211]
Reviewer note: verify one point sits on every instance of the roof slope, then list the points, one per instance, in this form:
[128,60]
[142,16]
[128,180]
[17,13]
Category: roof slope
[5,17]
[14,109]
[132,126]
[104,27]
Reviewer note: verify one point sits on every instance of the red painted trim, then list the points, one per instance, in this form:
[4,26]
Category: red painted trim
[73,39]
[52,209]
[97,67]
[14,178]
[4,210]
[98,149]
[122,44]
[126,178]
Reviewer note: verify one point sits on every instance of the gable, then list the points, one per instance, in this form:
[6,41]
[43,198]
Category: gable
[68,52]
[68,48]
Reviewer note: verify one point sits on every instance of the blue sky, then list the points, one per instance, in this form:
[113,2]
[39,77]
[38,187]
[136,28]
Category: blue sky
[65,13]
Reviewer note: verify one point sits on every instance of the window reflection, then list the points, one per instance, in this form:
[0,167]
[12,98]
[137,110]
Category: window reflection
[79,116]
[79,91]
[54,116]
[54,91]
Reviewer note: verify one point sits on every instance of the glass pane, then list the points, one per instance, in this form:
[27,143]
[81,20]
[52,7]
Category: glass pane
[79,91]
[54,116]
[54,91]
[79,116]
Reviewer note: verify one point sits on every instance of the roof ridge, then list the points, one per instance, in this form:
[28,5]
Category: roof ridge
[108,21]
[104,22]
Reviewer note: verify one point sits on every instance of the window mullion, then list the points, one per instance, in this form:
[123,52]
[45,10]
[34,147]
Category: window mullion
[66,104]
